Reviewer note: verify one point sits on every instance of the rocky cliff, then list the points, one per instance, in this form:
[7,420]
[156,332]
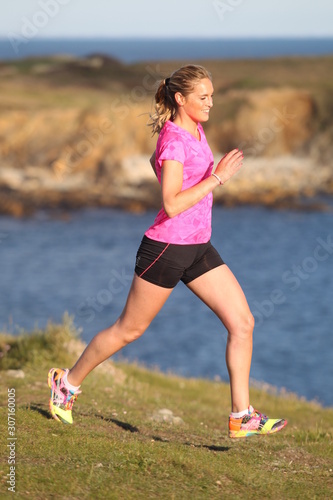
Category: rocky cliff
[73,133]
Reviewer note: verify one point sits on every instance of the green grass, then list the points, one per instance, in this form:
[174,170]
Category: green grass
[115,450]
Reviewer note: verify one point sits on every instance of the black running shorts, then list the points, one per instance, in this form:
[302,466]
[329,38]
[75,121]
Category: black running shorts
[165,264]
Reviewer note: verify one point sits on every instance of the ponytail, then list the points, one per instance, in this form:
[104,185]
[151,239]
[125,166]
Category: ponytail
[183,80]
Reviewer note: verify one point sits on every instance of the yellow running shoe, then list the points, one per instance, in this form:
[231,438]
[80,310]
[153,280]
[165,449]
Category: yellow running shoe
[253,424]
[61,399]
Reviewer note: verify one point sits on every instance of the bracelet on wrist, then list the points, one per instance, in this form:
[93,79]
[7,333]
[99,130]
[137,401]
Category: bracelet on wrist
[218,178]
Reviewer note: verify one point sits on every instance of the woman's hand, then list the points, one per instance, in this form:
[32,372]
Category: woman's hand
[229,165]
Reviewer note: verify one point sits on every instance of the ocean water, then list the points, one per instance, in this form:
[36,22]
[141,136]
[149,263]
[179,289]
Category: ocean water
[84,264]
[134,50]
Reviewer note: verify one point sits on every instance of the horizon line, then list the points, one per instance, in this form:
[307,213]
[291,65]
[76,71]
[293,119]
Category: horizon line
[140,37]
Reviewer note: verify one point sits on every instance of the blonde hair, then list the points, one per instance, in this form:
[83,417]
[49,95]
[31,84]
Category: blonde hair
[182,80]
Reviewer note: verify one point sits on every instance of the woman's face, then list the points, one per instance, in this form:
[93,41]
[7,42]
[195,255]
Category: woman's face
[197,104]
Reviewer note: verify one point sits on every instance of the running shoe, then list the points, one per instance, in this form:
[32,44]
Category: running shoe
[61,399]
[253,424]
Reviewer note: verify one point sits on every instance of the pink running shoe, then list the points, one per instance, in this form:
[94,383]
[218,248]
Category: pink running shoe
[61,399]
[254,423]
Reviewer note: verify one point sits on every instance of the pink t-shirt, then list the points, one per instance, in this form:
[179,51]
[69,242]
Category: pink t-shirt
[194,224]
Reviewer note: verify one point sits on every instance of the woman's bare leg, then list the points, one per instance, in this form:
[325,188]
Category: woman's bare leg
[144,301]
[220,290]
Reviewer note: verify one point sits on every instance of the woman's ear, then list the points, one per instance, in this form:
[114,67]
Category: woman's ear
[179,98]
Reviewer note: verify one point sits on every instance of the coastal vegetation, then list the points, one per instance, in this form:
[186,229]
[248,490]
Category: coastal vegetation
[139,433]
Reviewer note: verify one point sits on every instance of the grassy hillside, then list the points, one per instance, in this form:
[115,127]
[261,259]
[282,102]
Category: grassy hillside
[122,447]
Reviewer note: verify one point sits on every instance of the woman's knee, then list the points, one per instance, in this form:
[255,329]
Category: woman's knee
[247,324]
[243,325]
[129,332]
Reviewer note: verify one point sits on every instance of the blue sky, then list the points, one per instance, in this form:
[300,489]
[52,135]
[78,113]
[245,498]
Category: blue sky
[169,18]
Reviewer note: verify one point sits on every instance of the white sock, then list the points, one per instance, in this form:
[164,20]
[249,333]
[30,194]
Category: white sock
[69,386]
[240,414]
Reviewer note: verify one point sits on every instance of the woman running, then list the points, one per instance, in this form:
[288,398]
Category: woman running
[177,248]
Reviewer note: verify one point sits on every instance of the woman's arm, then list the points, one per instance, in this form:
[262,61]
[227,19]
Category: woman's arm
[176,201]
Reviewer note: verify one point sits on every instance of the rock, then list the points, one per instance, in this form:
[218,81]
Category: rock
[265,181]
[166,415]
[93,62]
[136,169]
[165,412]
[266,122]
[11,177]
[15,373]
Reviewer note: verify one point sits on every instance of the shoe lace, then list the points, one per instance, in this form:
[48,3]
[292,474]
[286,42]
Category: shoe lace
[71,400]
[260,415]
